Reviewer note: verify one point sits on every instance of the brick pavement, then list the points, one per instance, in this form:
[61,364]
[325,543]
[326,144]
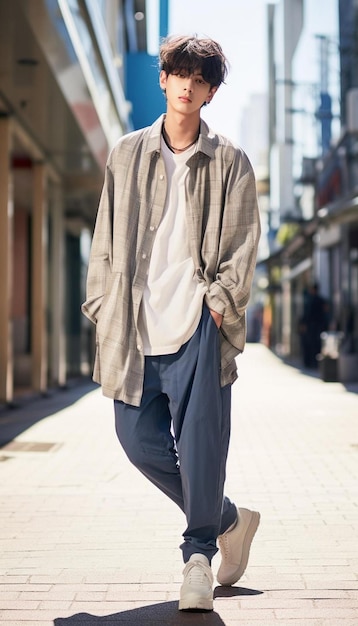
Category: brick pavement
[84,539]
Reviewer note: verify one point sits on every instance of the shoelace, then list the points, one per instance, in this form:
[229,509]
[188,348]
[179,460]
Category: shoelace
[224,541]
[224,545]
[196,572]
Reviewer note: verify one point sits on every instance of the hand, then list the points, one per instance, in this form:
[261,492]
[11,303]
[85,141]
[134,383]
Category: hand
[217,317]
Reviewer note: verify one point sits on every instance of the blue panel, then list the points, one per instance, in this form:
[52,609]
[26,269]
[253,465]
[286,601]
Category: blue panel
[163,18]
[142,88]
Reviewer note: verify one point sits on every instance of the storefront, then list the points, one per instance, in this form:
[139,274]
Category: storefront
[61,109]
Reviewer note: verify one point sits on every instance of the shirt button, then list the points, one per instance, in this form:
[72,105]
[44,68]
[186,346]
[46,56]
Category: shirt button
[139,348]
[151,228]
[144,256]
[161,177]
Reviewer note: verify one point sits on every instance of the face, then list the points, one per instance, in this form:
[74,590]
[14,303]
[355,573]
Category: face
[186,92]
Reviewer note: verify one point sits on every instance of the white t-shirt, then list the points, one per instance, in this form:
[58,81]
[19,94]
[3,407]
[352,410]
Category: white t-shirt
[173,298]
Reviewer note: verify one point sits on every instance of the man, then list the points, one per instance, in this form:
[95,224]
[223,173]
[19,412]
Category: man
[169,279]
[313,323]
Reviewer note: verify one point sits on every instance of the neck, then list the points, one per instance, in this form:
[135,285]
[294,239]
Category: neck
[176,149]
[180,132]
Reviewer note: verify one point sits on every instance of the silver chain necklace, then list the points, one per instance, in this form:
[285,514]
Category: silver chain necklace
[172,148]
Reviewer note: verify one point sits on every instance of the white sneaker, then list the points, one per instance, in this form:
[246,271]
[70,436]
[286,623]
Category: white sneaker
[197,589]
[235,546]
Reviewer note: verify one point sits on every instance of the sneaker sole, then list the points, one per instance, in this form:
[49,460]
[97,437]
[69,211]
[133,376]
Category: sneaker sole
[193,603]
[250,533]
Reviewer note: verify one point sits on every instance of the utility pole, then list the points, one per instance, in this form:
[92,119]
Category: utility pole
[324,111]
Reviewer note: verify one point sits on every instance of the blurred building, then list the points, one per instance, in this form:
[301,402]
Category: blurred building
[254,139]
[142,69]
[68,91]
[313,95]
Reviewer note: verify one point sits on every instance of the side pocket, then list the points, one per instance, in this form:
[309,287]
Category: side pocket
[213,321]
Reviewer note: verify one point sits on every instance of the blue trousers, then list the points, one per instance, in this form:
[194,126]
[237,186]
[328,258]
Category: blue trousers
[179,436]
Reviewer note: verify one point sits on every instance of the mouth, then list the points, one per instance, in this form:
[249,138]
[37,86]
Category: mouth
[184,99]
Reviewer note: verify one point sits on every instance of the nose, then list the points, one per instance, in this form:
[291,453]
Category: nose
[189,84]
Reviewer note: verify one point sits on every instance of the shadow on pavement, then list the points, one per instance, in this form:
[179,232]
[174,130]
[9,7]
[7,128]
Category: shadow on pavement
[165,613]
[231,592]
[27,411]
[352,387]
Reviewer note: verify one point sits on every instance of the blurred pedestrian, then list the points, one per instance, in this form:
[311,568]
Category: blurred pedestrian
[169,279]
[314,321]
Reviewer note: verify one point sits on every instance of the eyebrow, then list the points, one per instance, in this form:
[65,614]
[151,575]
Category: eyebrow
[197,73]
[193,73]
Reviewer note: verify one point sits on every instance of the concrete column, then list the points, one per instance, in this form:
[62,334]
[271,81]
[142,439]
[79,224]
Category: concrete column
[57,296]
[6,263]
[38,282]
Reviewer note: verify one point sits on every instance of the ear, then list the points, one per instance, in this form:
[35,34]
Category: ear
[163,79]
[211,94]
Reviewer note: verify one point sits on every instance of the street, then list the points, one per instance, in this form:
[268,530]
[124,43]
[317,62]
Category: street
[85,539]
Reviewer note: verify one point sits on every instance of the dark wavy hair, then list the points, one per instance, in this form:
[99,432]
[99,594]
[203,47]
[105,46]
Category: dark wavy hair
[190,54]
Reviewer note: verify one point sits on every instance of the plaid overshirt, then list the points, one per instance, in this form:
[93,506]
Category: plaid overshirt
[223,228]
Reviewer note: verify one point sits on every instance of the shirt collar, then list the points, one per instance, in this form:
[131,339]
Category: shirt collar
[207,140]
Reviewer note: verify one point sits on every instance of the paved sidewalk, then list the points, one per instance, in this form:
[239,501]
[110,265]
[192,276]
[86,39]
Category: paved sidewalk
[84,539]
